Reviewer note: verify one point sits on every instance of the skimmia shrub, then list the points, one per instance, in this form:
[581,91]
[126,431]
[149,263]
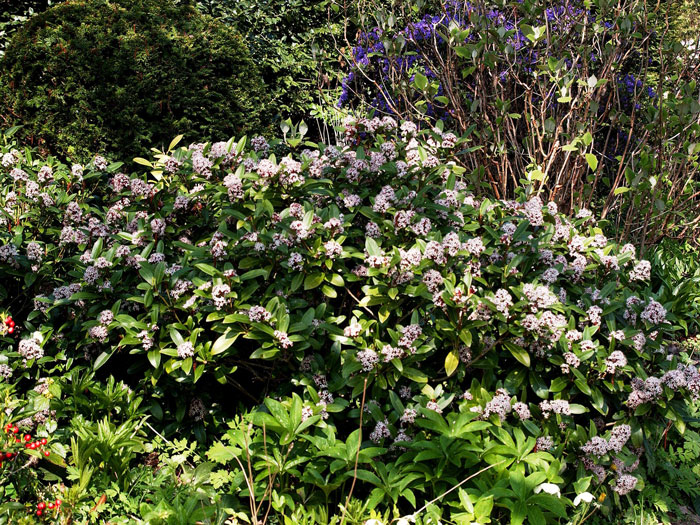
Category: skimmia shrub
[392,333]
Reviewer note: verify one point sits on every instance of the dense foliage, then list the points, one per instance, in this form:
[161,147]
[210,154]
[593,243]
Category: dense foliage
[582,96]
[390,331]
[14,14]
[422,306]
[293,44]
[92,76]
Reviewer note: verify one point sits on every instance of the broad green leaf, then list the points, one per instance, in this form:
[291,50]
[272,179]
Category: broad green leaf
[518,352]
[223,343]
[207,268]
[101,360]
[592,161]
[143,162]
[336,280]
[329,292]
[175,142]
[451,362]
[313,280]
[421,81]
[372,247]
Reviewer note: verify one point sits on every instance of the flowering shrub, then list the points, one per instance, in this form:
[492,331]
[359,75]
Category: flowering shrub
[392,331]
[89,76]
[579,99]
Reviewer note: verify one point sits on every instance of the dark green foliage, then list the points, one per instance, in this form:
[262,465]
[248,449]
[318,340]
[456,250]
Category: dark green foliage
[678,270]
[88,77]
[293,44]
[14,13]
[493,344]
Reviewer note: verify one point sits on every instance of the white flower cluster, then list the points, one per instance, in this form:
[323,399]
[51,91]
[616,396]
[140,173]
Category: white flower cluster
[185,350]
[499,405]
[218,295]
[30,348]
[556,406]
[539,297]
[368,358]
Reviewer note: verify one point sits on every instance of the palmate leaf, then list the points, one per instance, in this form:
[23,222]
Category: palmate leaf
[221,453]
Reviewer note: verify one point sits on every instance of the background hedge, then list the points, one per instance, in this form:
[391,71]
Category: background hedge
[163,69]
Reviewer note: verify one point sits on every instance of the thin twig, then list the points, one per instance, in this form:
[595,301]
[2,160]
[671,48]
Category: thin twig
[358,302]
[357,455]
[453,488]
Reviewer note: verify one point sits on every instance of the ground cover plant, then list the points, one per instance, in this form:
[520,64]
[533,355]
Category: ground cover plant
[375,329]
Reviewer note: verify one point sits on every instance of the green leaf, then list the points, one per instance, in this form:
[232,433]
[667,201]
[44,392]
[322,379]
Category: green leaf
[583,386]
[518,352]
[578,409]
[535,516]
[11,131]
[220,453]
[329,292]
[313,280]
[415,375]
[143,162]
[451,362]
[366,475]
[147,276]
[465,500]
[278,412]
[308,219]
[175,142]
[296,282]
[463,51]
[208,269]
[538,385]
[592,161]
[154,357]
[372,247]
[101,360]
[599,401]
[176,337]
[466,337]
[421,81]
[223,343]
[558,384]
[336,280]
[384,314]
[252,274]
[483,508]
